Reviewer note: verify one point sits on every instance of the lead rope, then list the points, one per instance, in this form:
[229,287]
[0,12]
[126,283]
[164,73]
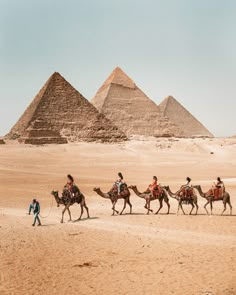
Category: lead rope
[49,210]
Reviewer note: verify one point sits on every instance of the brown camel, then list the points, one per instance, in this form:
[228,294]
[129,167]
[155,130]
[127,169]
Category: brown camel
[114,196]
[210,199]
[67,202]
[192,200]
[148,197]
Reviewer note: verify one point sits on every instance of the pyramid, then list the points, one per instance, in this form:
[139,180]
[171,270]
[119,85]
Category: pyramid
[59,113]
[186,122]
[121,101]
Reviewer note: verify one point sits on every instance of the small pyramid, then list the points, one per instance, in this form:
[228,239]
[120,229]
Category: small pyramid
[59,113]
[121,101]
[186,122]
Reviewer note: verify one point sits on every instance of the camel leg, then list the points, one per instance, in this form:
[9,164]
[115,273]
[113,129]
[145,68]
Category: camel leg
[130,205]
[177,213]
[206,208]
[113,208]
[125,201]
[81,212]
[69,213]
[62,216]
[161,205]
[224,208]
[230,206]
[192,208]
[148,206]
[168,205]
[196,208]
[180,204]
[87,209]
[211,207]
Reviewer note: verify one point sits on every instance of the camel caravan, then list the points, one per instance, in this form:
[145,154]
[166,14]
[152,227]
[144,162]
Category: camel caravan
[120,190]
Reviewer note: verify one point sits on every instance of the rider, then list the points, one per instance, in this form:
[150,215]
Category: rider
[186,186]
[219,184]
[71,187]
[154,186]
[119,182]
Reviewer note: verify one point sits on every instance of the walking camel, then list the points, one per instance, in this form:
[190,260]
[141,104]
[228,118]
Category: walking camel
[67,202]
[210,198]
[148,197]
[192,200]
[114,197]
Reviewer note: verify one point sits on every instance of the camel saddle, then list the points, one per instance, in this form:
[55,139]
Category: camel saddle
[186,193]
[71,196]
[156,192]
[114,189]
[217,193]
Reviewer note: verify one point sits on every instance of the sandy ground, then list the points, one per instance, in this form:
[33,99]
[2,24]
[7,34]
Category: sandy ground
[129,254]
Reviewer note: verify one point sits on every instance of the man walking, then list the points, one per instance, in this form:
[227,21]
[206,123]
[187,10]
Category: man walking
[36,212]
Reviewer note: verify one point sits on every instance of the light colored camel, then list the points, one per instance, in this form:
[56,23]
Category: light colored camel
[192,200]
[210,199]
[114,197]
[67,202]
[148,197]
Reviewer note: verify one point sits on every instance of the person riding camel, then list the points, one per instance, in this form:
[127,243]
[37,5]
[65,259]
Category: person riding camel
[219,184]
[185,188]
[119,182]
[154,186]
[71,187]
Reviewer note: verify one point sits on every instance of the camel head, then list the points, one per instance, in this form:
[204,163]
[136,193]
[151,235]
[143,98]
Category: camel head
[96,189]
[55,194]
[132,186]
[166,187]
[197,186]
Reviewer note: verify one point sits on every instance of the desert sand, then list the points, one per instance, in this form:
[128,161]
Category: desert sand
[128,254]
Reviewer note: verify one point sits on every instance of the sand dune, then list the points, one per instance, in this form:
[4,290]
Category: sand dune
[155,254]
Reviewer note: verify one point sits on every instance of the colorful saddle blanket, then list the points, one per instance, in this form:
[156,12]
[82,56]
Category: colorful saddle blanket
[114,190]
[217,193]
[156,192]
[186,193]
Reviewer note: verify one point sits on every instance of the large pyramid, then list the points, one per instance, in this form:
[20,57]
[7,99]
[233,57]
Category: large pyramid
[121,101]
[59,113]
[189,125]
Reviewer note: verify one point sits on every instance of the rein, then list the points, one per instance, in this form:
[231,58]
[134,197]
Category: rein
[48,212]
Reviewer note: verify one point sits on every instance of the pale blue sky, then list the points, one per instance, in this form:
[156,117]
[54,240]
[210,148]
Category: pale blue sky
[184,48]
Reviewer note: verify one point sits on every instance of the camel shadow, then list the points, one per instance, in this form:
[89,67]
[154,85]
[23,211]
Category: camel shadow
[85,219]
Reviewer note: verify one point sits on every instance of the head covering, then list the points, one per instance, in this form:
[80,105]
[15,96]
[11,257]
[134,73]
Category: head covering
[70,177]
[120,175]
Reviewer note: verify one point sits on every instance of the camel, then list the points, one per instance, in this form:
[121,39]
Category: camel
[67,202]
[210,198]
[113,196]
[148,197]
[192,200]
